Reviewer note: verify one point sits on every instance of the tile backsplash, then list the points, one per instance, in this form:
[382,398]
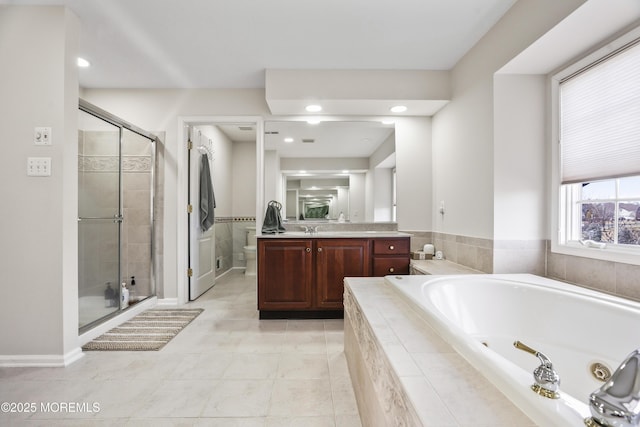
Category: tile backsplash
[535,257]
[615,278]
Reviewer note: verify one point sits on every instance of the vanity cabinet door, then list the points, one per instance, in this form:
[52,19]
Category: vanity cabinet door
[285,274]
[335,260]
[383,266]
[397,246]
[390,256]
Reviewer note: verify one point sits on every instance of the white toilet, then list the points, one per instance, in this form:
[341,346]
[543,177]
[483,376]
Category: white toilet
[250,252]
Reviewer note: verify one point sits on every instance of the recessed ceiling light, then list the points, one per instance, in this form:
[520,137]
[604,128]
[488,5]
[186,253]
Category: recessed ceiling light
[398,109]
[313,121]
[288,140]
[83,62]
[388,122]
[314,108]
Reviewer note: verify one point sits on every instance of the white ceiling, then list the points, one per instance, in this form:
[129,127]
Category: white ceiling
[230,43]
[349,139]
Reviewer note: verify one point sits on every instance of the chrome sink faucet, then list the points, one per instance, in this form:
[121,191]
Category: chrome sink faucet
[547,380]
[310,229]
[617,402]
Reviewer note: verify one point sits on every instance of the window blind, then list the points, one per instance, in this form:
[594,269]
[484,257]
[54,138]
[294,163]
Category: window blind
[600,119]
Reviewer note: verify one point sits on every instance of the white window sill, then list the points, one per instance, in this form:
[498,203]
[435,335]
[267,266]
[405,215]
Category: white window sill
[609,253]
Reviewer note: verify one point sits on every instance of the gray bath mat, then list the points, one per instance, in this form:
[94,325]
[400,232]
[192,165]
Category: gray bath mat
[149,330]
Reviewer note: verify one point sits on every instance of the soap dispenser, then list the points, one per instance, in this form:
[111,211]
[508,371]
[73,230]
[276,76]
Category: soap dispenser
[133,295]
[124,296]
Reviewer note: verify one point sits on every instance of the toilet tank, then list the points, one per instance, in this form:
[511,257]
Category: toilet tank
[251,236]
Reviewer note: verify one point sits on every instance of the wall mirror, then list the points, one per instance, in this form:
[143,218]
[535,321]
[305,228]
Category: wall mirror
[332,170]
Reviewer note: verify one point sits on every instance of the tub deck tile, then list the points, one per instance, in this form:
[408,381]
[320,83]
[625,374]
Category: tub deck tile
[412,369]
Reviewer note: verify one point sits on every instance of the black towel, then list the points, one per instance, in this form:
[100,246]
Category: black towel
[207,198]
[272,219]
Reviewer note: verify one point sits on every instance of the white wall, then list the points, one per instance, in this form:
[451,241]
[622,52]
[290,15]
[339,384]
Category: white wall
[379,184]
[383,194]
[369,196]
[386,149]
[221,174]
[357,207]
[273,181]
[414,171]
[244,179]
[39,244]
[343,201]
[463,133]
[520,146]
[323,163]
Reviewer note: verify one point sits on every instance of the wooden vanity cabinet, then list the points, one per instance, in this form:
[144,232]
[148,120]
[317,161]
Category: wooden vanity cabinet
[285,275]
[335,260]
[305,277]
[390,256]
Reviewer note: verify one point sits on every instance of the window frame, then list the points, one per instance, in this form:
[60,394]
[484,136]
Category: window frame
[560,211]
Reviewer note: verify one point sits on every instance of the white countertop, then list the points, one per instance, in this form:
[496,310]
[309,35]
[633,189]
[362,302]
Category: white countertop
[441,266]
[335,235]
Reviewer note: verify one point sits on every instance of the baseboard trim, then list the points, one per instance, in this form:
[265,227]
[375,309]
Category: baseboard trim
[168,302]
[41,360]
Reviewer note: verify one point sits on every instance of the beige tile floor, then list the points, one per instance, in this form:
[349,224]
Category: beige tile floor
[227,368]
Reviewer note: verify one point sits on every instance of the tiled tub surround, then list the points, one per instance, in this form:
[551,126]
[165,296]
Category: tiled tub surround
[486,255]
[439,267]
[615,278]
[472,252]
[404,374]
[535,257]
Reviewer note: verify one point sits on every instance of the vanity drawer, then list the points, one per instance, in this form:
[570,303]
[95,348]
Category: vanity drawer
[391,246]
[383,266]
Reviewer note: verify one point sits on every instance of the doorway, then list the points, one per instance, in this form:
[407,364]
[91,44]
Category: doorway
[237,197]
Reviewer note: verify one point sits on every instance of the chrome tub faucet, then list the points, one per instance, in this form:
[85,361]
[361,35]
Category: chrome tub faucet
[617,402]
[547,380]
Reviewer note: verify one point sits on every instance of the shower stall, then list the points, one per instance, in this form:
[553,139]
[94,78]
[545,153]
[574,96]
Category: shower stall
[116,163]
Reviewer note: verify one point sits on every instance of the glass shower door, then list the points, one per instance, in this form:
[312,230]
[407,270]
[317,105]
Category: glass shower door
[99,218]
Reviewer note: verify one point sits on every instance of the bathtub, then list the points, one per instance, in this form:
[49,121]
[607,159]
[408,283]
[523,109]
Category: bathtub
[481,316]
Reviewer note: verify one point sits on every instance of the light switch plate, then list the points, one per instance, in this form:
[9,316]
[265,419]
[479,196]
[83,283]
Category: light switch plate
[42,136]
[39,166]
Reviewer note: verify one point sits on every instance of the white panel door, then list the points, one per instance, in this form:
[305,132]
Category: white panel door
[202,246]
